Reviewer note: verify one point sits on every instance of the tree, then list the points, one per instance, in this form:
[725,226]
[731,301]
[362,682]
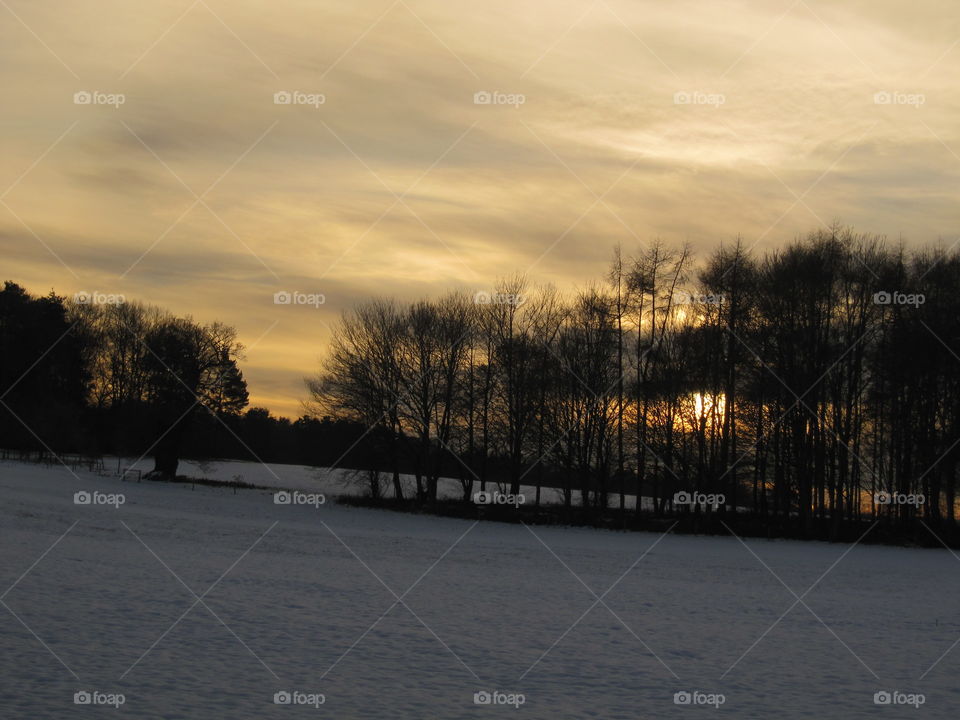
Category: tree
[189,367]
[43,377]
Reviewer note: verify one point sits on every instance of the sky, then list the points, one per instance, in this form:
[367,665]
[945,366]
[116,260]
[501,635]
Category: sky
[205,155]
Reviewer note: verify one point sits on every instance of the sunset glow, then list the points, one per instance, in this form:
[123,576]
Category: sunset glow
[691,122]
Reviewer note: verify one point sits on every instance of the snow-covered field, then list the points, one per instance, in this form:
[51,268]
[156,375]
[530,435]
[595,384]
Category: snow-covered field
[205,603]
[334,482]
[330,482]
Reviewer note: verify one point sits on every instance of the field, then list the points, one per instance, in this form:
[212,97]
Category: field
[205,602]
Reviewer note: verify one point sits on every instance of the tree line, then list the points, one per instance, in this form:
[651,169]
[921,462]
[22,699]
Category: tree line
[816,384]
[94,376]
[85,377]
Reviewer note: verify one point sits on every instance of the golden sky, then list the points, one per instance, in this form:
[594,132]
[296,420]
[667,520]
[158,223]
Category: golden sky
[184,183]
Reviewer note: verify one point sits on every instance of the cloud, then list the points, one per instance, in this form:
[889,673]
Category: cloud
[399,184]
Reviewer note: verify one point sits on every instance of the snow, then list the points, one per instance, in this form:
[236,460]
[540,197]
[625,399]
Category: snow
[335,482]
[304,598]
[331,482]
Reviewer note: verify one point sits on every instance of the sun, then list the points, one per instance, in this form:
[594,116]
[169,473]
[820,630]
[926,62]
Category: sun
[706,405]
